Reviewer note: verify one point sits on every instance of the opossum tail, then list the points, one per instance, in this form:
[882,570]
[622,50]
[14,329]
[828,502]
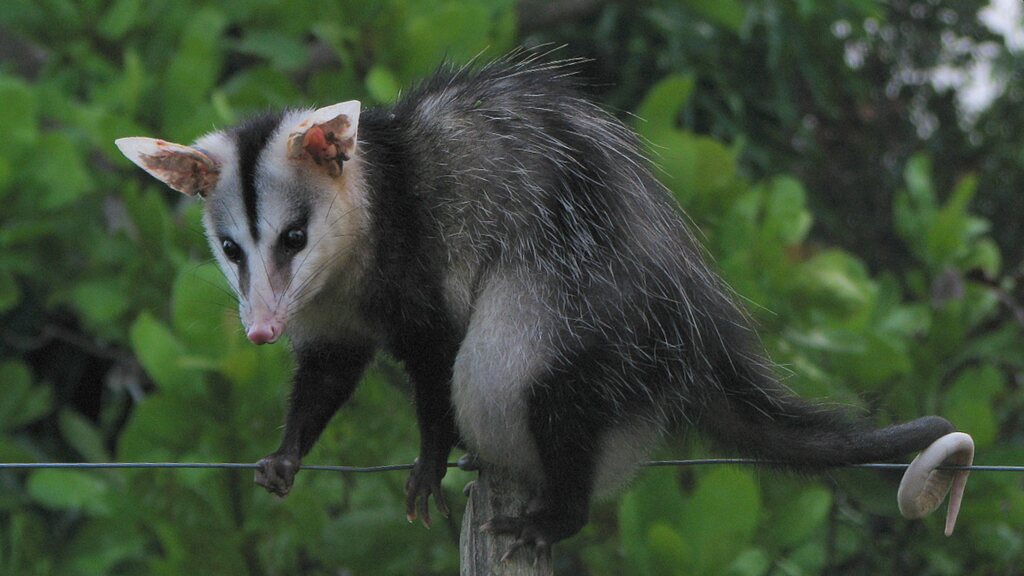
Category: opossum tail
[757,416]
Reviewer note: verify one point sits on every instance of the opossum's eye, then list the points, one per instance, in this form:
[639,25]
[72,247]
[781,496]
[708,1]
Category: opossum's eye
[294,239]
[231,250]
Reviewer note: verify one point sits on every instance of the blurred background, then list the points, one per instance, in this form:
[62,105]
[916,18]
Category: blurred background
[855,168]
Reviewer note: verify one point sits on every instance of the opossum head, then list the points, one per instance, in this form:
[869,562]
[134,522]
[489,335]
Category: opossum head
[283,205]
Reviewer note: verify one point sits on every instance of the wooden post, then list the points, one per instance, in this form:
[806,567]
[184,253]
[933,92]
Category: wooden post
[495,494]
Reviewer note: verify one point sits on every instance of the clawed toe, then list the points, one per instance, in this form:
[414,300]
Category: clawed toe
[528,536]
[423,483]
[541,549]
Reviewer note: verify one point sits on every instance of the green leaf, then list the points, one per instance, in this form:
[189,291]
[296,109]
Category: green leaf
[101,301]
[21,403]
[669,550]
[786,217]
[832,341]
[968,403]
[801,516]
[119,19]
[17,116]
[161,355]
[905,321]
[10,294]
[381,84]
[152,220]
[660,108]
[259,87]
[837,278]
[31,548]
[727,13]
[69,490]
[27,232]
[873,492]
[454,30]
[335,35]
[947,236]
[631,535]
[13,451]
[962,195]
[700,171]
[918,176]
[6,173]
[738,230]
[100,546]
[203,310]
[653,499]
[335,86]
[808,558]
[882,359]
[244,364]
[192,74]
[283,51]
[161,427]
[505,37]
[123,94]
[83,436]
[914,208]
[750,562]
[720,517]
[59,171]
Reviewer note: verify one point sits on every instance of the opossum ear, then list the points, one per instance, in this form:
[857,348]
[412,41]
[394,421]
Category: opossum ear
[327,136]
[182,168]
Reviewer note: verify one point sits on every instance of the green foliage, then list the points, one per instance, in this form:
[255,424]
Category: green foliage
[22,402]
[947,235]
[69,490]
[119,340]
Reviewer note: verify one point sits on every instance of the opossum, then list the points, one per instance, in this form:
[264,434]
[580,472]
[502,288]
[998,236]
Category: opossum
[506,240]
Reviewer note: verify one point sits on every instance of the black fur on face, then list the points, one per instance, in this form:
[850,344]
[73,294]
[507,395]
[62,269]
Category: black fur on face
[251,138]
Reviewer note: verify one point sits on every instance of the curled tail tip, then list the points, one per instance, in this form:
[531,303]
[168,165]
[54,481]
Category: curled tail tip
[924,484]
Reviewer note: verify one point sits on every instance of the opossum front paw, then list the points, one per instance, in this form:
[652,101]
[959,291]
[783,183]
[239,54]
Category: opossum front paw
[528,535]
[425,480]
[277,472]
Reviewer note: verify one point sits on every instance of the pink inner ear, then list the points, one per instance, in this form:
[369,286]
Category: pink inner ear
[327,143]
[315,143]
[188,172]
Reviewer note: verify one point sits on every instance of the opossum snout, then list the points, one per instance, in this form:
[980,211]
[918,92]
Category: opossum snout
[265,332]
[261,334]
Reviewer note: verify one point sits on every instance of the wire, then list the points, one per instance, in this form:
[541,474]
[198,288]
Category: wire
[874,465]
[228,465]
[394,467]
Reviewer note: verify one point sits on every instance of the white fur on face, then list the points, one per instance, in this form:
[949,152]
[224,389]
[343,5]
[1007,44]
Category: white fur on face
[286,188]
[227,197]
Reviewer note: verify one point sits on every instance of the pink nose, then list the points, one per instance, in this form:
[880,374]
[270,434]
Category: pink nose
[263,333]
